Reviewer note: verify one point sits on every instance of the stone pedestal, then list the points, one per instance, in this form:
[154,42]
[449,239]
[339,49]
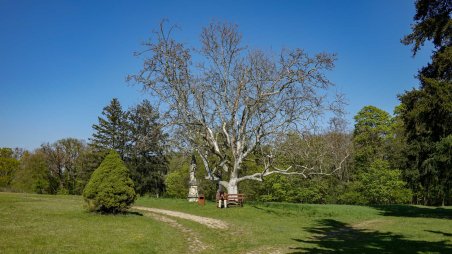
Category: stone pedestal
[193,193]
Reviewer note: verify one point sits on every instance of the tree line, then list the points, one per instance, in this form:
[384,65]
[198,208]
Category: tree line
[249,117]
[65,166]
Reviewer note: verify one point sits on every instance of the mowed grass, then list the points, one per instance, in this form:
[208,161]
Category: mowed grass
[304,228]
[59,224]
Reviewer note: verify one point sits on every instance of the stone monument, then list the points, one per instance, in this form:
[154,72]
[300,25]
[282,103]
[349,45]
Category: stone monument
[193,183]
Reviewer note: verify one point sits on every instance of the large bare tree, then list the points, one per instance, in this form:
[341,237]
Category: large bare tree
[228,100]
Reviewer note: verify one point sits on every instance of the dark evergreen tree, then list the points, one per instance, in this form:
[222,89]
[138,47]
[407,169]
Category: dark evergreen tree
[112,131]
[146,154]
[88,160]
[427,111]
[137,136]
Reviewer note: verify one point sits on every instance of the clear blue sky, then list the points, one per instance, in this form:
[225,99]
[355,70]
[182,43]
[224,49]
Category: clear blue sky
[62,61]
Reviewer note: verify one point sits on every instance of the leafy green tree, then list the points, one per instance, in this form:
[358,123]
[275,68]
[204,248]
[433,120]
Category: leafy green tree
[176,183]
[379,185]
[64,167]
[62,157]
[379,143]
[177,179]
[396,142]
[110,189]
[372,130]
[326,151]
[33,174]
[274,189]
[8,167]
[317,191]
[6,152]
[112,131]
[382,185]
[146,149]
[427,111]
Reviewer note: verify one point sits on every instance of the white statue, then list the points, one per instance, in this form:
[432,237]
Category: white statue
[193,183]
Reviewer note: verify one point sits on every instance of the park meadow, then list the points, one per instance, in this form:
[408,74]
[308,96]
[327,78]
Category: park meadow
[32,223]
[304,135]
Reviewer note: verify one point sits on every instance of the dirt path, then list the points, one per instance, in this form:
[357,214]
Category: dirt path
[209,222]
[195,245]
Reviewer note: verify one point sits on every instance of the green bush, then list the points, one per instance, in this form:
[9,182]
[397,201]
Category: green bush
[110,189]
[353,194]
[383,185]
[379,186]
[177,184]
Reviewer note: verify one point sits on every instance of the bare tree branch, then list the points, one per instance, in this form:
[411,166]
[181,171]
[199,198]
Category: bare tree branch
[233,100]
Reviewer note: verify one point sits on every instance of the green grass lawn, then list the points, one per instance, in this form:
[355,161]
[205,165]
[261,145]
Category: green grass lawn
[59,224]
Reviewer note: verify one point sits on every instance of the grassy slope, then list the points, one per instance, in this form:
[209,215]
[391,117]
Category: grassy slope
[51,224]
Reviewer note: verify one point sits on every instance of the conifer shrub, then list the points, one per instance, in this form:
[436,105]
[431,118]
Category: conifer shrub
[110,189]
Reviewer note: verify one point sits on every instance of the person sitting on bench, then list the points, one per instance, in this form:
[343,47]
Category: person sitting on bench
[222,201]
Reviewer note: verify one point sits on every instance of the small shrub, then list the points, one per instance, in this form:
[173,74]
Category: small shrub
[110,189]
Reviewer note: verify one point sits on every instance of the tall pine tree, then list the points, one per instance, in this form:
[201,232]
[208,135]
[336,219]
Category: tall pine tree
[138,137]
[147,161]
[427,111]
[112,130]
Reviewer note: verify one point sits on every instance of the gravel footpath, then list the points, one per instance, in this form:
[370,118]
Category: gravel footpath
[209,222]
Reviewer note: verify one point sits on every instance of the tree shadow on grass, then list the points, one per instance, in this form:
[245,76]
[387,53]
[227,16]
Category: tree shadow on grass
[123,213]
[439,232]
[414,211]
[133,213]
[332,236]
[288,209]
[269,211]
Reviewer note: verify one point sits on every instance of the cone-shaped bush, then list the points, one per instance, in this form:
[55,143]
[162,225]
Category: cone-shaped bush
[110,189]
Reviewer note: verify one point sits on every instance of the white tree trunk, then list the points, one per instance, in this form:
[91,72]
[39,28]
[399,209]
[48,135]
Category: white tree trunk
[233,186]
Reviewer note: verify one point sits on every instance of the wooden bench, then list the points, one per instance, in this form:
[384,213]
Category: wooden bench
[232,199]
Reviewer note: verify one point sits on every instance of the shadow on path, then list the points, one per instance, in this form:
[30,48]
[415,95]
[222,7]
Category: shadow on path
[332,236]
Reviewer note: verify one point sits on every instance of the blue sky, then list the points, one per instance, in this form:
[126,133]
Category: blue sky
[61,61]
